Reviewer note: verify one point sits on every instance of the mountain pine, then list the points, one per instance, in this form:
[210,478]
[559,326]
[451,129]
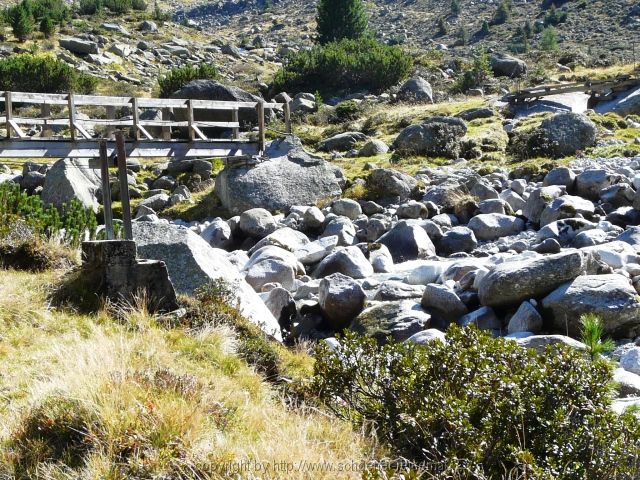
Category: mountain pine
[340,19]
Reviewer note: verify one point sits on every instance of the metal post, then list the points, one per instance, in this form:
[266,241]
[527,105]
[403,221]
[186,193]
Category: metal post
[261,130]
[124,185]
[106,189]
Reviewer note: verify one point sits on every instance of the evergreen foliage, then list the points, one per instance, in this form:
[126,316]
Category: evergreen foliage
[549,39]
[47,27]
[456,8]
[476,407]
[178,77]
[69,224]
[32,73]
[341,19]
[21,21]
[363,64]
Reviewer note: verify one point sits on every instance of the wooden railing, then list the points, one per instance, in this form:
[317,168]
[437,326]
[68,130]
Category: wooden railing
[73,137]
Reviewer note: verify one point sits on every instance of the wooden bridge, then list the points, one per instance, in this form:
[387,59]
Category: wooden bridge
[598,89]
[66,122]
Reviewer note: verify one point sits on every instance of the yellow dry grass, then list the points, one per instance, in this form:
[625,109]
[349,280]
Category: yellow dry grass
[167,401]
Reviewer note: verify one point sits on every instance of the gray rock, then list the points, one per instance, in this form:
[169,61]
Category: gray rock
[156,202]
[538,201]
[494,205]
[476,113]
[445,301]
[507,66]
[567,206]
[426,336]
[290,177]
[631,236]
[303,104]
[416,89]
[341,300]
[436,137]
[373,148]
[79,46]
[165,182]
[397,321]
[561,176]
[539,343]
[566,133]
[627,383]
[280,303]
[407,242]
[610,297]
[630,360]
[526,319]
[257,223]
[342,141]
[191,263]
[285,237]
[458,239]
[412,209]
[380,258]
[387,182]
[314,252]
[271,264]
[148,26]
[218,234]
[511,283]
[313,218]
[590,182]
[492,226]
[343,228]
[564,231]
[347,208]
[32,180]
[484,318]
[618,195]
[394,290]
[349,261]
[72,178]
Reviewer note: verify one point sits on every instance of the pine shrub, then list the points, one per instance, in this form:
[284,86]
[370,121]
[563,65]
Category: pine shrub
[33,73]
[341,19]
[478,407]
[178,77]
[344,65]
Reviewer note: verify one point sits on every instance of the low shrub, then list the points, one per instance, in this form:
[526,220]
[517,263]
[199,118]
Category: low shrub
[478,407]
[118,7]
[70,225]
[57,430]
[178,77]
[33,73]
[347,110]
[344,65]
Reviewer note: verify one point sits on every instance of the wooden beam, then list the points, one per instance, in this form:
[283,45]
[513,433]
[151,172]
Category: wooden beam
[124,185]
[45,113]
[72,116]
[261,127]
[135,114]
[8,108]
[110,110]
[235,119]
[106,189]
[190,120]
[287,118]
[37,148]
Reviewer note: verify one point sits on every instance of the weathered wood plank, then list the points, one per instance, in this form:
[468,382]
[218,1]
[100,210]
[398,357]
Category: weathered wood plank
[35,148]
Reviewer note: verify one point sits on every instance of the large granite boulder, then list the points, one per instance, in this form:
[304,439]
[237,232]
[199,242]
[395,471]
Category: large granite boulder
[392,320]
[290,177]
[79,46]
[611,297]
[341,299]
[507,66]
[435,137]
[387,182]
[408,242]
[72,178]
[566,133]
[191,263]
[511,283]
[416,89]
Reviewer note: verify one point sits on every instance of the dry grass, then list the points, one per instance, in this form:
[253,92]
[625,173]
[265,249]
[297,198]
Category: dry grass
[149,401]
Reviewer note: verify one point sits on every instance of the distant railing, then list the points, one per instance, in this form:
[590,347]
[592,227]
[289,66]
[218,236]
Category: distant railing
[102,112]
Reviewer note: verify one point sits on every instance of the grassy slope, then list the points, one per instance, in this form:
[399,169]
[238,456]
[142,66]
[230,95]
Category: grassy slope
[167,401]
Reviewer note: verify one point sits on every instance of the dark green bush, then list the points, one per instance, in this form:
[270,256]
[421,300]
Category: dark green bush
[340,19]
[74,220]
[47,27]
[345,65]
[33,73]
[555,16]
[347,110]
[21,21]
[118,7]
[177,78]
[478,407]
[475,76]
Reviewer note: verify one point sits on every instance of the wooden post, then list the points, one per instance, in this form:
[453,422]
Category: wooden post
[72,117]
[8,108]
[111,115]
[106,189]
[124,185]
[287,118]
[261,130]
[235,118]
[136,118]
[45,112]
[166,129]
[190,120]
